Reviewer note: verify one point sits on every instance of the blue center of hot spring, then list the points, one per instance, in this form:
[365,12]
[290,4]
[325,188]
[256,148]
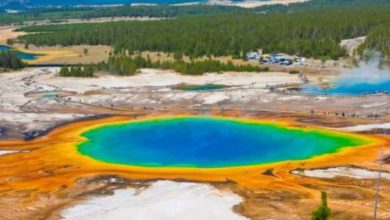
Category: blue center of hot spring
[21,55]
[207,142]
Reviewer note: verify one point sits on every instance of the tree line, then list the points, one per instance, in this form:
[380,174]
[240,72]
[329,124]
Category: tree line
[309,33]
[321,4]
[170,11]
[10,60]
[127,65]
[77,71]
[86,13]
[379,39]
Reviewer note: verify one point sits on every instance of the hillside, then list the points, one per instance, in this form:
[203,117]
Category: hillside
[305,33]
[35,12]
[46,3]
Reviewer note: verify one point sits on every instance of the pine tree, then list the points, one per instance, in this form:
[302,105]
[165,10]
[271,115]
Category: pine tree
[323,211]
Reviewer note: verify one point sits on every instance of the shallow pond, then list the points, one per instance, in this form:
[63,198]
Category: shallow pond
[346,87]
[368,78]
[200,88]
[21,55]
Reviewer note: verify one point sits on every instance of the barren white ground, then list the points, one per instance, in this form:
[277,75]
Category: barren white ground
[366,127]
[163,200]
[149,87]
[154,89]
[351,172]
[5,152]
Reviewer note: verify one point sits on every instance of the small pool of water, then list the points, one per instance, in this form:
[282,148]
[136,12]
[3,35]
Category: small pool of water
[208,142]
[369,77]
[205,87]
[350,88]
[50,95]
[21,55]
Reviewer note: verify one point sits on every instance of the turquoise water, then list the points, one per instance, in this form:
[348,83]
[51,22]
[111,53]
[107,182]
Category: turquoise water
[172,1]
[347,88]
[165,1]
[206,142]
[205,87]
[50,95]
[21,55]
[73,3]
[367,78]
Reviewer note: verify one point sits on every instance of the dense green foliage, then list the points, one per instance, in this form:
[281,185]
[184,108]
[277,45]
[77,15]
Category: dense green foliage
[158,11]
[129,65]
[29,4]
[77,71]
[379,39]
[125,65]
[304,31]
[323,211]
[322,4]
[307,33]
[9,60]
[169,11]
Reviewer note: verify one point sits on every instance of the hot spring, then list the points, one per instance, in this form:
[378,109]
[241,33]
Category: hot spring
[348,87]
[200,88]
[367,78]
[21,55]
[208,142]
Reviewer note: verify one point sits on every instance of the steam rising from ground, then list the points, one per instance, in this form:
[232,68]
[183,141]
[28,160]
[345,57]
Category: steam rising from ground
[370,72]
[368,77]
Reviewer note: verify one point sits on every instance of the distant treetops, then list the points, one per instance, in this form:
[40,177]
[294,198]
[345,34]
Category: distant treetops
[77,71]
[56,15]
[126,65]
[309,33]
